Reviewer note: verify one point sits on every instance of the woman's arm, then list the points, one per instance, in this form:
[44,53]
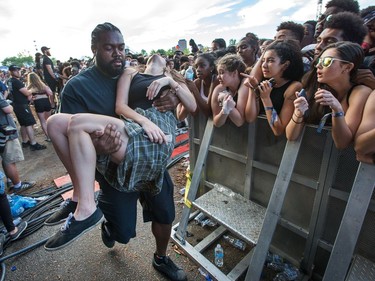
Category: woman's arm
[180,90]
[218,114]
[287,109]
[154,133]
[237,115]
[278,122]
[252,104]
[48,90]
[202,104]
[344,127]
[365,138]
[296,124]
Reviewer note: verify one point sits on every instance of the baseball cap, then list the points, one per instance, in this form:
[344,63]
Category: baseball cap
[44,48]
[14,67]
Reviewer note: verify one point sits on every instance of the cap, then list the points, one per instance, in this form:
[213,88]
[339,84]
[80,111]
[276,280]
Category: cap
[14,67]
[44,48]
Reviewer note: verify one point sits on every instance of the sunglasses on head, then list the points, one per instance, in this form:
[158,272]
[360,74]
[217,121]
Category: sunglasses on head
[324,17]
[327,61]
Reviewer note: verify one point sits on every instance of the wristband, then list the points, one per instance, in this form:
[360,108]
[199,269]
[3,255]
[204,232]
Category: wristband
[268,108]
[176,89]
[338,114]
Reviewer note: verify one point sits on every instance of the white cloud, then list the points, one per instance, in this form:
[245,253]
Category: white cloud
[66,26]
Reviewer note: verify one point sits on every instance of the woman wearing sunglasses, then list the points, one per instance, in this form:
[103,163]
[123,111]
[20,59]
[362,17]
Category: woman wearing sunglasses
[332,96]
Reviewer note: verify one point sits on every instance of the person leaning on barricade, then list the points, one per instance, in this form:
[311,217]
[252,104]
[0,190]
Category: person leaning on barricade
[282,69]
[331,95]
[230,96]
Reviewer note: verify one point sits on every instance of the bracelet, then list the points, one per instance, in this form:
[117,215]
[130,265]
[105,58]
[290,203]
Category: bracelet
[297,115]
[338,114]
[297,122]
[268,108]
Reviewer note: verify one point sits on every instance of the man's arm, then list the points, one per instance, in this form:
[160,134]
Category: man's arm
[166,103]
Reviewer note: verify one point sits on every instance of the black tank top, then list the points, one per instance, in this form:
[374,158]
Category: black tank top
[138,89]
[277,98]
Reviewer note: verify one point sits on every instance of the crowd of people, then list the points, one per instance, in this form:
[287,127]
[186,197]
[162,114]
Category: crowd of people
[320,72]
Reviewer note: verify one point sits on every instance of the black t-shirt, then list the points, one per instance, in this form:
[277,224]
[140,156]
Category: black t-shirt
[90,92]
[14,86]
[47,61]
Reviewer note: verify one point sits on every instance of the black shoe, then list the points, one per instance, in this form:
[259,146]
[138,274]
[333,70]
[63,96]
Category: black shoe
[67,207]
[24,185]
[20,228]
[25,144]
[37,146]
[106,236]
[72,230]
[2,242]
[166,266]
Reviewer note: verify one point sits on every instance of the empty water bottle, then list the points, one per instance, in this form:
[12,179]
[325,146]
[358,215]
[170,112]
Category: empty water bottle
[17,221]
[275,262]
[237,243]
[290,273]
[189,73]
[219,256]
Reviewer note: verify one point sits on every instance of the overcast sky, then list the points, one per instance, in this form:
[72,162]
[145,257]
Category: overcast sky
[65,26]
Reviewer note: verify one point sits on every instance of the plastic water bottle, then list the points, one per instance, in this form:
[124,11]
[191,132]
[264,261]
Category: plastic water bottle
[219,256]
[237,243]
[17,221]
[189,73]
[17,211]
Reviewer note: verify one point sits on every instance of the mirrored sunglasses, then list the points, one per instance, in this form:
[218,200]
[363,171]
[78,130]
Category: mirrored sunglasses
[327,61]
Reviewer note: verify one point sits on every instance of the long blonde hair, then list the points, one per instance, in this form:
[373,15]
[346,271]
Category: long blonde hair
[34,81]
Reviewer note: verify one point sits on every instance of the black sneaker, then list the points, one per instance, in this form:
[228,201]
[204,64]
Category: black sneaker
[166,266]
[2,242]
[37,146]
[72,230]
[106,236]
[67,207]
[20,228]
[25,144]
[24,186]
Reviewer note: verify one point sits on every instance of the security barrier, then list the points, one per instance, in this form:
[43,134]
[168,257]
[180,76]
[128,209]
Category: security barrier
[288,197]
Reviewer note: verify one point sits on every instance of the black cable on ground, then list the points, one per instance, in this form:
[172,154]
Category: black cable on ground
[35,217]
[24,250]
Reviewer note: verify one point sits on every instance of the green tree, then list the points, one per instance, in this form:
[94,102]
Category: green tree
[144,53]
[159,51]
[232,42]
[20,60]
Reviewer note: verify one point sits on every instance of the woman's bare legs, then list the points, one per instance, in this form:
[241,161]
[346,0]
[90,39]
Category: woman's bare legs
[71,138]
[43,116]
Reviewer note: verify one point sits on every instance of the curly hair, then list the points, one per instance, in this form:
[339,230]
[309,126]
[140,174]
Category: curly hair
[289,50]
[344,5]
[351,25]
[366,11]
[232,63]
[297,29]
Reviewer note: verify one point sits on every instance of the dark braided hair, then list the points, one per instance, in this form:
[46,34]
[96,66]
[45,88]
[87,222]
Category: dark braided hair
[100,28]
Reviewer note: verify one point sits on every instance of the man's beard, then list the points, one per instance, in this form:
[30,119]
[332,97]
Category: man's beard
[107,67]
